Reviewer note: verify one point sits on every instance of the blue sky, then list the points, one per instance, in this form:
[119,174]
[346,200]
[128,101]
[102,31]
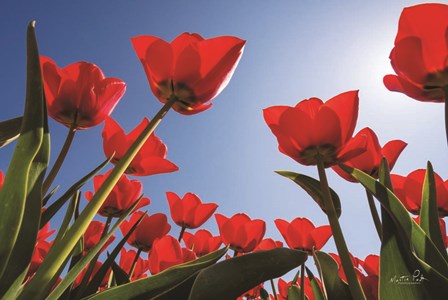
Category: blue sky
[295,50]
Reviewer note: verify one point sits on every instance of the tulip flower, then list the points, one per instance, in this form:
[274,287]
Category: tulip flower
[127,264]
[79,95]
[150,228]
[167,252]
[283,288]
[253,293]
[240,232]
[97,266]
[151,159]
[269,244]
[420,55]
[93,234]
[301,234]
[40,249]
[371,266]
[2,179]
[314,129]
[122,196]
[370,160]
[202,242]
[189,212]
[355,262]
[191,69]
[409,191]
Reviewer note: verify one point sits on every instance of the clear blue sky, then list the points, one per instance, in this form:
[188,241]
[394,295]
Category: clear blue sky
[295,50]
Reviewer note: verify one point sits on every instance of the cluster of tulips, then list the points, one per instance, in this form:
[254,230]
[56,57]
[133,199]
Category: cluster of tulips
[38,262]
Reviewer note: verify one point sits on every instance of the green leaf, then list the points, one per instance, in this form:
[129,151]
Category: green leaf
[335,288]
[418,252]
[429,216]
[56,206]
[294,292]
[155,285]
[85,260]
[312,187]
[99,275]
[10,130]
[317,290]
[119,274]
[179,291]
[69,213]
[395,258]
[232,277]
[13,195]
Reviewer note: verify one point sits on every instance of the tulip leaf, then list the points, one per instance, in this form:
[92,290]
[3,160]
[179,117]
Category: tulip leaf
[155,285]
[10,130]
[294,293]
[335,288]
[394,258]
[422,261]
[85,260]
[312,187]
[59,203]
[317,290]
[23,169]
[119,274]
[231,278]
[429,217]
[95,282]
[179,291]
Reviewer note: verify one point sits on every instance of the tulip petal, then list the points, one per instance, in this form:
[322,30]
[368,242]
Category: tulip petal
[392,150]
[345,105]
[321,235]
[407,60]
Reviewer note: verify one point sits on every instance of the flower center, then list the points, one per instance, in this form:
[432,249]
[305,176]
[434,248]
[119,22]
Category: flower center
[328,154]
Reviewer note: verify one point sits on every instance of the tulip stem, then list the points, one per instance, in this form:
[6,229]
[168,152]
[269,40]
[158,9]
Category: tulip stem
[59,160]
[349,270]
[181,234]
[375,215]
[445,90]
[134,263]
[302,282]
[274,291]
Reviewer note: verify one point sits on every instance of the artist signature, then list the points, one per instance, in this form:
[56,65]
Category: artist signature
[416,278]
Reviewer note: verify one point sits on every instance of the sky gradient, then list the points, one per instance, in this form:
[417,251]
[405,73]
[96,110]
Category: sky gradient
[295,50]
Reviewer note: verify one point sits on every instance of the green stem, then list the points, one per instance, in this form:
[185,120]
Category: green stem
[302,282]
[134,263]
[274,291]
[375,215]
[60,160]
[445,90]
[181,234]
[88,273]
[36,288]
[349,270]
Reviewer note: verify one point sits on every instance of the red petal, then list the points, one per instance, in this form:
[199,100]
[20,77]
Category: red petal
[345,105]
[392,150]
[321,235]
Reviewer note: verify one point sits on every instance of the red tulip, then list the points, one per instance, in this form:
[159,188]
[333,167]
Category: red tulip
[2,179]
[409,191]
[269,244]
[150,228]
[370,282]
[283,288]
[93,234]
[420,55]
[151,159]
[253,293]
[192,69]
[126,261]
[40,249]
[79,94]
[166,253]
[123,195]
[189,212]
[301,234]
[202,242]
[355,262]
[369,161]
[313,127]
[240,232]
